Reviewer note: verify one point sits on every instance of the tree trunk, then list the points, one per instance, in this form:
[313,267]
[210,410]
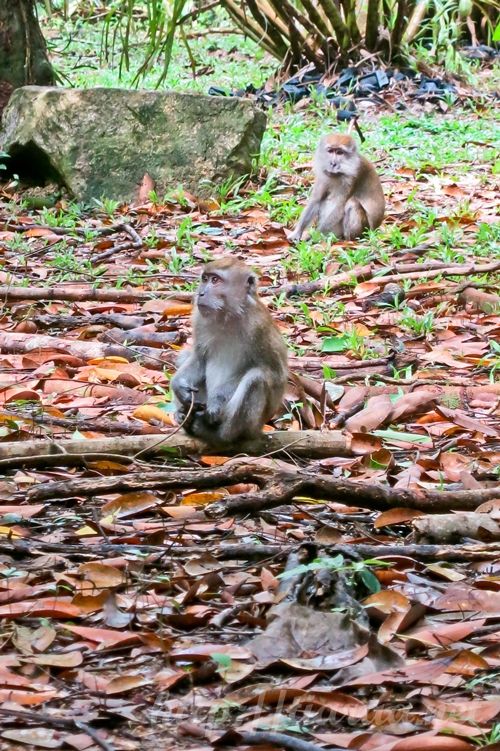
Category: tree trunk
[23,54]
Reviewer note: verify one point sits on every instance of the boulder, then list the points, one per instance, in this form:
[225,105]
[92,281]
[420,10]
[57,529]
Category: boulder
[101,142]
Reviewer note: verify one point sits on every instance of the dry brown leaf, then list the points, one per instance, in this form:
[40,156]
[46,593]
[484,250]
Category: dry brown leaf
[377,410]
[472,711]
[408,404]
[203,499]
[39,737]
[146,187]
[396,516]
[62,660]
[44,607]
[362,443]
[130,504]
[174,308]
[150,412]
[335,701]
[124,683]
[101,576]
[444,635]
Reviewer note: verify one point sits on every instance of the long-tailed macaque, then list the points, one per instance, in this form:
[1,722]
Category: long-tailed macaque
[347,196]
[233,379]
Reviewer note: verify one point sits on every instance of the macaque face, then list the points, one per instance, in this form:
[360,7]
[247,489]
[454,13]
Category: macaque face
[339,155]
[226,287]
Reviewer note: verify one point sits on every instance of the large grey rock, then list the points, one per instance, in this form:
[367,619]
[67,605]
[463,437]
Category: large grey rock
[100,142]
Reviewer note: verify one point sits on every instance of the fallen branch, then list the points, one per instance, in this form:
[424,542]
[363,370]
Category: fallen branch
[79,423]
[249,552]
[330,283]
[469,552]
[309,443]
[285,486]
[82,231]
[276,489]
[143,337]
[463,269]
[119,320]
[41,461]
[395,273]
[169,478]
[77,293]
[317,363]
[85,350]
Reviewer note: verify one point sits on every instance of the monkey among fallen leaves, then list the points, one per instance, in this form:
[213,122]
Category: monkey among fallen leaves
[347,196]
[233,379]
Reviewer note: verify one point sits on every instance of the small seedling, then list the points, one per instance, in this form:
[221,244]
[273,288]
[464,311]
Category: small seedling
[418,325]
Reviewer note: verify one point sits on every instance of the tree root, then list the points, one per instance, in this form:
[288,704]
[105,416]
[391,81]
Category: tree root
[276,489]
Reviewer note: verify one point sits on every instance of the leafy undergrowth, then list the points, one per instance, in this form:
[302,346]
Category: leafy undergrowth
[132,616]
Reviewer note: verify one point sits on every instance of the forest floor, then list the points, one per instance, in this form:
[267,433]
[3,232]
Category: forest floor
[339,592]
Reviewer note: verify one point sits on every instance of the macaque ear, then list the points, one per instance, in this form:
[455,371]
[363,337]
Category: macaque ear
[252,284]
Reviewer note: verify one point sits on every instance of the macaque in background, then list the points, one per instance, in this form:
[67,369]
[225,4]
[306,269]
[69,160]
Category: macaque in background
[347,196]
[233,379]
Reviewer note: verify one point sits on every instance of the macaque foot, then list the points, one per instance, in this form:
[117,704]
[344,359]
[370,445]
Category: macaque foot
[355,220]
[213,419]
[201,428]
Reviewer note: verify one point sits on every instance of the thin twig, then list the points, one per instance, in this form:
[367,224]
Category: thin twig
[61,460]
[135,243]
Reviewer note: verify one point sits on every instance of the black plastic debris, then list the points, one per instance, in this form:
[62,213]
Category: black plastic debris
[402,74]
[347,80]
[331,94]
[216,91]
[480,52]
[268,98]
[346,115]
[308,76]
[356,83]
[300,85]
[294,92]
[370,82]
[432,89]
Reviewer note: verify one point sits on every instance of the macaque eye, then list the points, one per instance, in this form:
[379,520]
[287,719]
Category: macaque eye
[251,281]
[214,279]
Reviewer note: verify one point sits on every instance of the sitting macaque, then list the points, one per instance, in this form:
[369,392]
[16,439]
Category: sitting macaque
[233,379]
[347,196]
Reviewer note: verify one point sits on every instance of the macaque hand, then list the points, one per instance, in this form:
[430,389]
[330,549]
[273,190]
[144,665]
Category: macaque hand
[185,394]
[189,411]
